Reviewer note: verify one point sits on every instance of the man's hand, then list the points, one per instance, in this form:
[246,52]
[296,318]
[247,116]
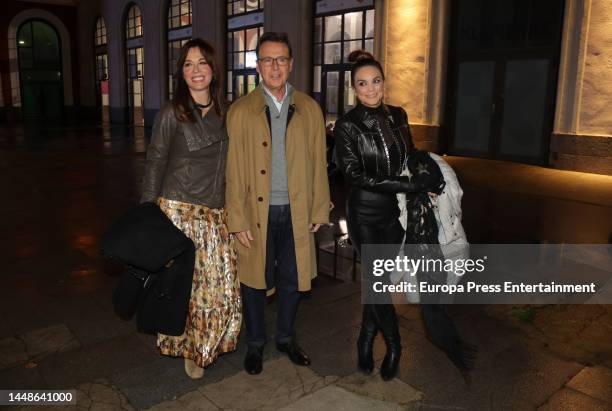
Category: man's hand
[314,227]
[245,238]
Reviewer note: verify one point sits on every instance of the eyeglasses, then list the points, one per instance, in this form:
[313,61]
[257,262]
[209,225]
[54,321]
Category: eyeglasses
[281,61]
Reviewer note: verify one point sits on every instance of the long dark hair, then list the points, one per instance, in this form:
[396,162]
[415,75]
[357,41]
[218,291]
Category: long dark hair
[181,102]
[361,58]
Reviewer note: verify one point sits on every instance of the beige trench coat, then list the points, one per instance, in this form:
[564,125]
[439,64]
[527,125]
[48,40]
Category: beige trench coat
[248,182]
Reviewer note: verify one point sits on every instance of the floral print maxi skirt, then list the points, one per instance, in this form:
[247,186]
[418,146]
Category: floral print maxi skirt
[215,308]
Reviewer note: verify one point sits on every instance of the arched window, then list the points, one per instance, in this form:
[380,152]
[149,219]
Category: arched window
[244,27]
[100,35]
[133,26]
[179,32]
[40,70]
[101,66]
[134,43]
[337,32]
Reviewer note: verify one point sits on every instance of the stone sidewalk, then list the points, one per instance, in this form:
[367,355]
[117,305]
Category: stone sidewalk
[521,364]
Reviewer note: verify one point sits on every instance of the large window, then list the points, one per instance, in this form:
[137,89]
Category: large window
[101,65]
[179,32]
[134,43]
[245,26]
[235,7]
[133,27]
[179,14]
[336,34]
[100,34]
[241,61]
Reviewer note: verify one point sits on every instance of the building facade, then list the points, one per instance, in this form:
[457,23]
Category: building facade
[526,81]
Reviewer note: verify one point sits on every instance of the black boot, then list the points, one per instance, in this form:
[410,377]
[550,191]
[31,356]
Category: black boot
[365,343]
[387,321]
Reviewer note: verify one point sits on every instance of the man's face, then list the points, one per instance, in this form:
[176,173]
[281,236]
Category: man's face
[273,74]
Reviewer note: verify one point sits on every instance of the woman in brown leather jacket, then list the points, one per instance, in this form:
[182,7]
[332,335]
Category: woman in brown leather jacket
[185,175]
[373,143]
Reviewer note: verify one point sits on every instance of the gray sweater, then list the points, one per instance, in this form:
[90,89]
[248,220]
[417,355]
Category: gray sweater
[279,192]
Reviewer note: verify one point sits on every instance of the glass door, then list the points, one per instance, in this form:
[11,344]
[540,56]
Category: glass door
[503,68]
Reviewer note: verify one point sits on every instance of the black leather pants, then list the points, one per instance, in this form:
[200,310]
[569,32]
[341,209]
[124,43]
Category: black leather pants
[372,218]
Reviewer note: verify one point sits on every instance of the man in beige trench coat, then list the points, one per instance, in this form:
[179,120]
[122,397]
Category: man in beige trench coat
[277,196]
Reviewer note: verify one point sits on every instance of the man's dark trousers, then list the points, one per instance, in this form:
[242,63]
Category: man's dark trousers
[281,270]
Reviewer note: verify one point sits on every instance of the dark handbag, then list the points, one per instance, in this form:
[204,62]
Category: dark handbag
[145,240]
[144,237]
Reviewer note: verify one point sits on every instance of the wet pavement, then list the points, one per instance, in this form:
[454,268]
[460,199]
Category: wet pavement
[63,186]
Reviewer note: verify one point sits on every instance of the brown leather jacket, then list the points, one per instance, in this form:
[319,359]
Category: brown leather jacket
[186,161]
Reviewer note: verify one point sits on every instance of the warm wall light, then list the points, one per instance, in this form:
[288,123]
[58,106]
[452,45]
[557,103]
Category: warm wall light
[407,44]
[21,42]
[342,225]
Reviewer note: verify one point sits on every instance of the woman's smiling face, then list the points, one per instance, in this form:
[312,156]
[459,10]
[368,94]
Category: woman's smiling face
[369,85]
[196,71]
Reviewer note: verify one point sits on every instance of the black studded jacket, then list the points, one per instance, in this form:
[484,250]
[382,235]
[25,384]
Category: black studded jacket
[372,146]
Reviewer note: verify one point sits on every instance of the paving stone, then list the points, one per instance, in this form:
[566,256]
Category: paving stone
[563,322]
[12,352]
[335,354]
[149,341]
[50,340]
[596,338]
[410,312]
[43,314]
[101,325]
[489,335]
[424,366]
[165,379]
[280,384]
[394,391]
[102,393]
[325,319]
[83,400]
[192,401]
[336,398]
[570,400]
[595,382]
[326,290]
[522,376]
[5,329]
[424,406]
[20,377]
[96,361]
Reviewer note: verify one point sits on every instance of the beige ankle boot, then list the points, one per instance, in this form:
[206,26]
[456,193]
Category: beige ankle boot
[193,370]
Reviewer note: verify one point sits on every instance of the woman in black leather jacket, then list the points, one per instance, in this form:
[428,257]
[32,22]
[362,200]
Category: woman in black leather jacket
[185,175]
[373,142]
